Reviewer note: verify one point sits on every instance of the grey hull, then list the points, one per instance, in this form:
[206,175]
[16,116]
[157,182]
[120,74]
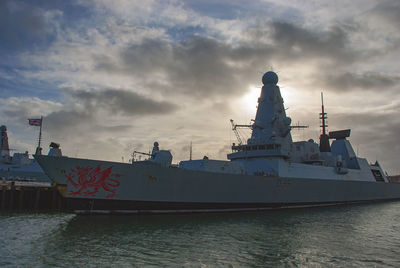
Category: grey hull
[24,175]
[119,187]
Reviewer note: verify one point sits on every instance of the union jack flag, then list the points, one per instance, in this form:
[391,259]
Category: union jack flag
[35,122]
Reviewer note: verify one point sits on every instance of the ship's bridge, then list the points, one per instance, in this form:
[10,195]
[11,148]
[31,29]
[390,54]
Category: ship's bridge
[253,151]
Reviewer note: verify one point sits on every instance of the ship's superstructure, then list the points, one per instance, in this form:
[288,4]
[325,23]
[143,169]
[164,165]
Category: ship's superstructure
[19,166]
[269,171]
[271,151]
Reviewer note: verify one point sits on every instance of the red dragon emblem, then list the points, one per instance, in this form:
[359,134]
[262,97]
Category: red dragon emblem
[89,181]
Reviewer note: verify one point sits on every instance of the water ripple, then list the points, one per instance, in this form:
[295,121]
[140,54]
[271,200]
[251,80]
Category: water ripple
[343,236]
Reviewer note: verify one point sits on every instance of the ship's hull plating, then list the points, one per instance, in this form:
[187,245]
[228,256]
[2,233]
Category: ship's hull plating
[23,175]
[108,187]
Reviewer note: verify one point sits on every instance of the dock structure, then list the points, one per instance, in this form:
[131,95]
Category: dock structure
[20,196]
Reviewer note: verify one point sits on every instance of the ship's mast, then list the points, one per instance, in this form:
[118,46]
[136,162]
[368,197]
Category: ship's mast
[190,153]
[324,138]
[4,148]
[323,115]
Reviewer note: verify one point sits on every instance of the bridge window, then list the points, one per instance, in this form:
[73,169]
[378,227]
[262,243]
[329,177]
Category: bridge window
[378,175]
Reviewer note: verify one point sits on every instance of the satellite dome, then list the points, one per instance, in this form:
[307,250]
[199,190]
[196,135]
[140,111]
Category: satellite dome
[270,78]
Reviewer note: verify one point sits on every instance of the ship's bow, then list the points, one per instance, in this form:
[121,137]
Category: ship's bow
[53,167]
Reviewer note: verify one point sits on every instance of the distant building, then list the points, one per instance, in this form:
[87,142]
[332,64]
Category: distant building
[394,178]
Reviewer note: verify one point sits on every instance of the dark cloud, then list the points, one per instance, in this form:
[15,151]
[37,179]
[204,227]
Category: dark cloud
[206,67]
[121,102]
[116,129]
[349,81]
[80,115]
[197,66]
[232,9]
[71,123]
[373,121]
[219,9]
[36,25]
[67,122]
[294,41]
[18,113]
[21,25]
[388,12]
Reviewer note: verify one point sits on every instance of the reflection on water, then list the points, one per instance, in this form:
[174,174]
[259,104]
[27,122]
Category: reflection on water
[342,236]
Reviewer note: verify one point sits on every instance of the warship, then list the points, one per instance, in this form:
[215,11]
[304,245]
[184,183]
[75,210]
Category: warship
[19,166]
[269,171]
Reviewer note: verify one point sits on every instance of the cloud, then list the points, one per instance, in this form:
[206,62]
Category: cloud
[380,26]
[122,102]
[188,64]
[64,122]
[367,81]
[387,12]
[197,66]
[209,68]
[22,108]
[294,41]
[91,114]
[23,26]
[84,113]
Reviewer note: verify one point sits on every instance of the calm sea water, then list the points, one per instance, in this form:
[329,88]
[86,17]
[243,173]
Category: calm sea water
[341,236]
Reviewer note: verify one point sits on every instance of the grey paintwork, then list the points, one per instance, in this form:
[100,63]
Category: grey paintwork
[154,183]
[270,169]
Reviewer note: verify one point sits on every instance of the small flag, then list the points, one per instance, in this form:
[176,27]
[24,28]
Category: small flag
[35,122]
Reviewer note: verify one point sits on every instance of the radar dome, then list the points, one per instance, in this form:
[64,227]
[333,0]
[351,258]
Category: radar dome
[270,78]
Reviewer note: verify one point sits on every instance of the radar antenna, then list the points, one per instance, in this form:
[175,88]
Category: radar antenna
[298,126]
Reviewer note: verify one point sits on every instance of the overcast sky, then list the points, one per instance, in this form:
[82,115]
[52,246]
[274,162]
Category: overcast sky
[111,77]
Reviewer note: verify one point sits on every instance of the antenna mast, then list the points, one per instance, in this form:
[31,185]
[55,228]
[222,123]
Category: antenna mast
[324,138]
[323,115]
[190,156]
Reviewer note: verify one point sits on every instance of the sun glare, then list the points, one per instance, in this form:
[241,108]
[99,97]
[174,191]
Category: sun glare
[250,100]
